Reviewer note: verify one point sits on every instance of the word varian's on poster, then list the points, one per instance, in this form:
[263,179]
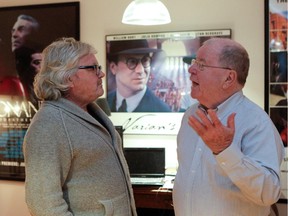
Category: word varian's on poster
[15,117]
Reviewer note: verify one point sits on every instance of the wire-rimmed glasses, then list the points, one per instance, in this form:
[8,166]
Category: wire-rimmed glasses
[132,62]
[201,65]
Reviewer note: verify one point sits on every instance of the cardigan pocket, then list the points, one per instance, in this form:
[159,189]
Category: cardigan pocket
[119,206]
[108,206]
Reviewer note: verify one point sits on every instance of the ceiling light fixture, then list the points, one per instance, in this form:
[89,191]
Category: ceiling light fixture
[146,12]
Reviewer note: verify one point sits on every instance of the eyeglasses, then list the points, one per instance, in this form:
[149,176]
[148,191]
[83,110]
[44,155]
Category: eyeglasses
[96,68]
[201,65]
[133,62]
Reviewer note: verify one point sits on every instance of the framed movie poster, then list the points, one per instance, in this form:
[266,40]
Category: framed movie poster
[276,86]
[147,77]
[25,32]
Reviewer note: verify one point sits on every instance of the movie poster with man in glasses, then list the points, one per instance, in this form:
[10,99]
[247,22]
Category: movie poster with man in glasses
[147,75]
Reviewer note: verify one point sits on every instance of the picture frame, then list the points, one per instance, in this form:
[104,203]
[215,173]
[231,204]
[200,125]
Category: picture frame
[168,78]
[19,58]
[276,83]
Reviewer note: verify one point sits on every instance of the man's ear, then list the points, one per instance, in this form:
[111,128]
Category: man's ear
[112,67]
[231,78]
[70,81]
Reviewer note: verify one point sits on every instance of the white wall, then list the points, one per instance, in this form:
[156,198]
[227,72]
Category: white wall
[103,17]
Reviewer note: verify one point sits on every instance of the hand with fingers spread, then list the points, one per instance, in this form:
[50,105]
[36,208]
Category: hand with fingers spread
[244,177]
[216,135]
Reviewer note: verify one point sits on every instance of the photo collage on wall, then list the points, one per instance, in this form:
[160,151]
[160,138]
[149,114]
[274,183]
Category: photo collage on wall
[278,83]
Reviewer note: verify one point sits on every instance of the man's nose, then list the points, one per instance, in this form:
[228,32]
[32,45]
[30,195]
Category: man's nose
[102,74]
[192,69]
[139,67]
[15,34]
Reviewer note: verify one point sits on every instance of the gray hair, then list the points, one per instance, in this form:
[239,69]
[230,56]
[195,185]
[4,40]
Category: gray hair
[233,55]
[34,23]
[59,62]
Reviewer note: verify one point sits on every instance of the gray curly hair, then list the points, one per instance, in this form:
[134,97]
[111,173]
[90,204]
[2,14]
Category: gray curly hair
[59,62]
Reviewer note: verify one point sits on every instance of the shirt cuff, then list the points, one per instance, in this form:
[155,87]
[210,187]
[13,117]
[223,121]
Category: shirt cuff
[229,157]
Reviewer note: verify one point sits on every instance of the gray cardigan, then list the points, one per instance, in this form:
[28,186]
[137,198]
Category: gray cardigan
[75,164]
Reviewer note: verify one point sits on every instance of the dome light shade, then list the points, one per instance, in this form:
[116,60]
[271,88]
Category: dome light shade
[146,12]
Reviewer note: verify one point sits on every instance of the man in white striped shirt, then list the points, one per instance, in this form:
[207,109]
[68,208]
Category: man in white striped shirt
[229,151]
